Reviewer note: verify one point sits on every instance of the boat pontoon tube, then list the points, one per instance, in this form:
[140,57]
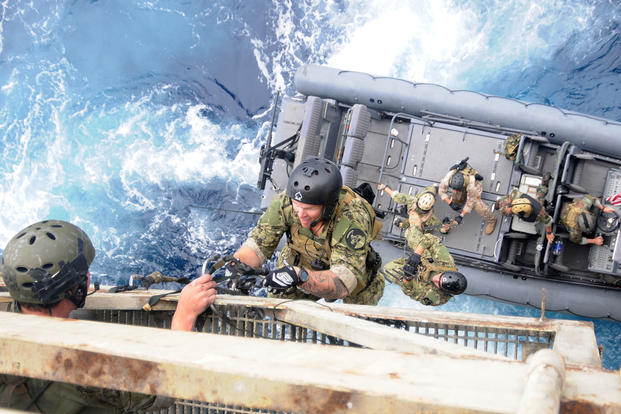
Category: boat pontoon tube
[395,95]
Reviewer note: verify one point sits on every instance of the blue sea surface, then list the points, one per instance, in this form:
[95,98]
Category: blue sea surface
[141,121]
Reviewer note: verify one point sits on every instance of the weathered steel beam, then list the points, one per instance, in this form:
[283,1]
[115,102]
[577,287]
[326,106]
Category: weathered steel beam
[276,375]
[370,334]
[574,340]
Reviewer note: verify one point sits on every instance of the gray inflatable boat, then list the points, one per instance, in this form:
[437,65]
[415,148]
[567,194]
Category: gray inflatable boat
[408,135]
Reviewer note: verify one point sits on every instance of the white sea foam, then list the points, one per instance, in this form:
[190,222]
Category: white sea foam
[438,41]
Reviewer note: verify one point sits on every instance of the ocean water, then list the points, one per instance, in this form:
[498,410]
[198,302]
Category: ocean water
[141,121]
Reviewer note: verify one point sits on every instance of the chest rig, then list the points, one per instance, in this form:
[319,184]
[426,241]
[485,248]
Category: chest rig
[459,195]
[311,251]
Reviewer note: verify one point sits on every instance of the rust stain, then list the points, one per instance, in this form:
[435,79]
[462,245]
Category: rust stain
[110,371]
[580,407]
[328,401]
[394,375]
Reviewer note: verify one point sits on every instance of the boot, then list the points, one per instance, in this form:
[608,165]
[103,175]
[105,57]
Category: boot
[491,225]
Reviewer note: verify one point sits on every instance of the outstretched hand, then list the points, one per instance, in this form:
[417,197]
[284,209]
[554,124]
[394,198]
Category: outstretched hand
[195,297]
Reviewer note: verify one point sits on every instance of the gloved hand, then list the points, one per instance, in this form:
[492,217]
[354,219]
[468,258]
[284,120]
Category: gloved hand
[281,280]
[411,267]
[446,225]
[458,219]
[455,206]
[234,267]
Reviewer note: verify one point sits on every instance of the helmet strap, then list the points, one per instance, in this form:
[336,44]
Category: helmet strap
[47,287]
[78,295]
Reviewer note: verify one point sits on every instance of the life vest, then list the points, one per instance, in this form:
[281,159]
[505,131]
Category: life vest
[572,219]
[536,209]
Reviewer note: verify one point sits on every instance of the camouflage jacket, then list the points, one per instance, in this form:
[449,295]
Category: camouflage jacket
[342,246]
[64,398]
[424,220]
[468,196]
[570,213]
[435,259]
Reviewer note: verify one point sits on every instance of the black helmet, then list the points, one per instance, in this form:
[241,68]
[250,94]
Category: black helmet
[457,181]
[316,181]
[453,283]
[44,261]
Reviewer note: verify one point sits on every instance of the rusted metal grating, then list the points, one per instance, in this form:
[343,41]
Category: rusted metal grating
[512,343]
[256,322]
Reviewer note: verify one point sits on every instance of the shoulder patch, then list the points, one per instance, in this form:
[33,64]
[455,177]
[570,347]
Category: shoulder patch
[355,238]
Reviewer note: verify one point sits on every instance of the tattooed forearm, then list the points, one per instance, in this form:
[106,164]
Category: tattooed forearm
[325,284]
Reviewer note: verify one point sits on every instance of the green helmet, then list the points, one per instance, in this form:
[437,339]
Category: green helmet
[44,261]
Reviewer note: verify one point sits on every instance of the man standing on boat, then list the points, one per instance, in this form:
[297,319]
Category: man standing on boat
[466,189]
[428,274]
[329,229]
[578,219]
[419,208]
[45,269]
[527,208]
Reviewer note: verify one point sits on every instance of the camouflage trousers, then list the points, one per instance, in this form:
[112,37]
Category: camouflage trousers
[484,211]
[431,244]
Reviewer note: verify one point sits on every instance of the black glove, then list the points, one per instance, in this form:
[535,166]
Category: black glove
[446,220]
[281,280]
[234,267]
[411,267]
[458,219]
[455,206]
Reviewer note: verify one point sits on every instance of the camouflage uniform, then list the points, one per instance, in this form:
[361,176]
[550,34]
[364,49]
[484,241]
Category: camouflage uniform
[512,145]
[64,398]
[571,212]
[542,217]
[435,259]
[343,246]
[470,197]
[423,220]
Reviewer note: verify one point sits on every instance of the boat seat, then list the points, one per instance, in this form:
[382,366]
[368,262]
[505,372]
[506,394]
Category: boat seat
[515,240]
[571,176]
[528,150]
